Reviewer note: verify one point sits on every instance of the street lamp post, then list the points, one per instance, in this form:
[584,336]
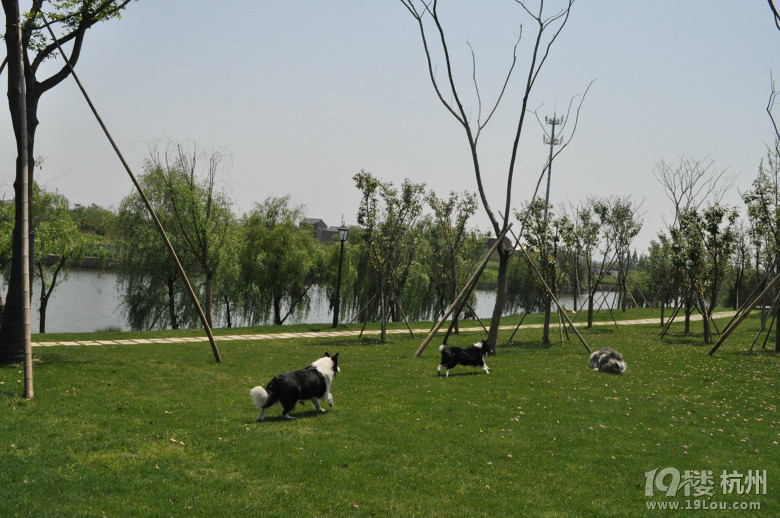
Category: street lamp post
[343,232]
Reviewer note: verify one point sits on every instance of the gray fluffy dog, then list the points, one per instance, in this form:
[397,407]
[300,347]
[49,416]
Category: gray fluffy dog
[607,360]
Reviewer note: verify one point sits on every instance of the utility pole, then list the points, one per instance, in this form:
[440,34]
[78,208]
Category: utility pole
[552,141]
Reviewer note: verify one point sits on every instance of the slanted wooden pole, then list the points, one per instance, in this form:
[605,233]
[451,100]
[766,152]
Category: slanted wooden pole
[156,220]
[525,314]
[743,316]
[357,316]
[670,320]
[464,292]
[402,314]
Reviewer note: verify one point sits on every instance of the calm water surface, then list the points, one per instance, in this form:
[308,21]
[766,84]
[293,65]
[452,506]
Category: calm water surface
[89,301]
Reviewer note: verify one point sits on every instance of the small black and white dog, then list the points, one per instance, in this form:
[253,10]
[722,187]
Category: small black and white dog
[607,360]
[473,356]
[312,383]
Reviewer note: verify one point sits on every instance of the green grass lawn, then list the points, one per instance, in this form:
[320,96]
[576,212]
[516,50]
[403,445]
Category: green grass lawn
[161,430]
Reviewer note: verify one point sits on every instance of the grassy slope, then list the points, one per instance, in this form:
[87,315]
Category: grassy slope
[161,430]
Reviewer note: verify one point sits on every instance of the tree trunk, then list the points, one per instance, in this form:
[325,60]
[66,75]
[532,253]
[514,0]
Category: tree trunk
[209,305]
[687,316]
[705,321]
[172,304]
[590,309]
[44,301]
[12,327]
[382,314]
[277,310]
[663,307]
[546,327]
[777,331]
[227,312]
[498,309]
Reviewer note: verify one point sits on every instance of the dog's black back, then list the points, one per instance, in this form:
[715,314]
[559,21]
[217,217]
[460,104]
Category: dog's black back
[472,356]
[290,387]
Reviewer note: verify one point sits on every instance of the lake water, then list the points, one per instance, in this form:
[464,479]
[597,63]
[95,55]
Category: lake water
[89,301]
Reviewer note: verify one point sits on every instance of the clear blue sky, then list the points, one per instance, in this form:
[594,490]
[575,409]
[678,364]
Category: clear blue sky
[304,94]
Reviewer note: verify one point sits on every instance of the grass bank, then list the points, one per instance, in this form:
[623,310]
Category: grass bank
[160,430]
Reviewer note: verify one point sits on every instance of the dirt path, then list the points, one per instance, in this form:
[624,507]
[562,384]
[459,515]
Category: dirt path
[422,332]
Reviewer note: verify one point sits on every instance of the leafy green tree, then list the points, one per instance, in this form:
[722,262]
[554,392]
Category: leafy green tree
[279,261]
[59,244]
[92,219]
[70,20]
[6,232]
[388,217]
[702,245]
[544,239]
[587,231]
[658,266]
[622,225]
[763,210]
[741,264]
[228,286]
[453,248]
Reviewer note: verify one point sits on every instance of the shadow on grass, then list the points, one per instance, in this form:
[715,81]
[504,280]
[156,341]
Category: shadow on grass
[525,344]
[680,338]
[4,393]
[461,373]
[307,414]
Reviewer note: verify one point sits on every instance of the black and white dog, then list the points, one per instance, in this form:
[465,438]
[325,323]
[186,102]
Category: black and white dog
[607,360]
[312,383]
[473,356]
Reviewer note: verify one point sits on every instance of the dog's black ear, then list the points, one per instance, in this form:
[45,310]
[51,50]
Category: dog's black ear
[326,354]
[336,356]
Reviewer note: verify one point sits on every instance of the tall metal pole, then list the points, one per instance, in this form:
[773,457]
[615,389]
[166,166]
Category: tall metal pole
[553,142]
[337,304]
[343,231]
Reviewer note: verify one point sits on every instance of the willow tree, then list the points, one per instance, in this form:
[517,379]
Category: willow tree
[200,209]
[279,262]
[454,246]
[546,28]
[149,279]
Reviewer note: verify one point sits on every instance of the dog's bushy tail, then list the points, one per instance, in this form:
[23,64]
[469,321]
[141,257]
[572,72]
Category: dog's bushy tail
[259,396]
[441,347]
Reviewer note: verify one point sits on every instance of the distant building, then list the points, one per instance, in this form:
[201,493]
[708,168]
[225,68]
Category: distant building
[325,235]
[507,244]
[321,232]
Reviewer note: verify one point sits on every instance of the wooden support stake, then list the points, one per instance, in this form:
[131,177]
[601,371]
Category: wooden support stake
[756,300]
[364,308]
[769,331]
[523,318]
[402,313]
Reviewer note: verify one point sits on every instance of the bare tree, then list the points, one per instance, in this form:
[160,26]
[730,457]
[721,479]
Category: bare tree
[547,29]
